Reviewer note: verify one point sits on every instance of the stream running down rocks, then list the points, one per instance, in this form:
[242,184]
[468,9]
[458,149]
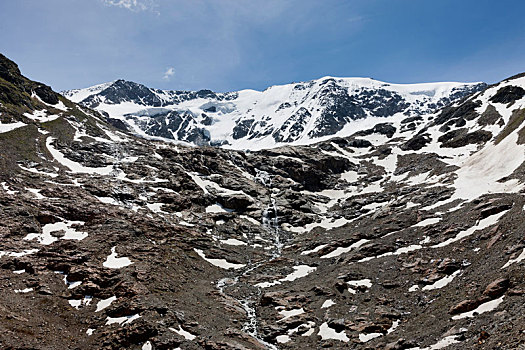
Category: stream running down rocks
[270,222]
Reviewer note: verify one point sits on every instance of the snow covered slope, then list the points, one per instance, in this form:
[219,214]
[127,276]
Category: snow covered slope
[297,113]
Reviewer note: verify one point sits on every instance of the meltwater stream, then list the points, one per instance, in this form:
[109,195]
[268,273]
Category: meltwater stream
[270,221]
[270,218]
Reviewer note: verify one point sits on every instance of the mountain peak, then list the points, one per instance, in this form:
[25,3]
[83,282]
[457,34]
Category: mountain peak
[295,113]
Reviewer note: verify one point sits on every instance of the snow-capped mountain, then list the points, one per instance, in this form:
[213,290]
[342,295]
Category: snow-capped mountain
[407,234]
[297,113]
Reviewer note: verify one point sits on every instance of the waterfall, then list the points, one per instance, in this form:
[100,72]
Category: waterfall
[270,220]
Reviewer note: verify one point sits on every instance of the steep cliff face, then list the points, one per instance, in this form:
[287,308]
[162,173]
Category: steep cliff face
[301,113]
[405,235]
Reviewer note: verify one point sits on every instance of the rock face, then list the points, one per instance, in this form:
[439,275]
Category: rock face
[289,114]
[384,239]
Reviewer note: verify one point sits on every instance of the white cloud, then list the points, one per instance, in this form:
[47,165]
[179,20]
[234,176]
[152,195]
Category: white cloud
[169,73]
[132,5]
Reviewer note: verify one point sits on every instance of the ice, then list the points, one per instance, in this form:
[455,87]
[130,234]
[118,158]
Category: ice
[10,127]
[26,290]
[122,320]
[342,250]
[35,171]
[233,241]
[403,250]
[250,219]
[414,288]
[104,303]
[350,176]
[513,261]
[147,346]
[480,173]
[326,332]
[315,250]
[359,283]
[265,106]
[113,262]
[283,338]
[78,95]
[205,183]
[36,192]
[392,328]
[46,238]
[187,335]
[19,254]
[443,343]
[70,285]
[412,204]
[222,263]
[300,271]
[373,206]
[41,116]
[290,313]
[155,207]
[327,304]
[485,307]
[482,224]
[427,222]
[19,272]
[107,200]
[76,303]
[326,223]
[216,208]
[367,337]
[6,189]
[441,282]
[90,331]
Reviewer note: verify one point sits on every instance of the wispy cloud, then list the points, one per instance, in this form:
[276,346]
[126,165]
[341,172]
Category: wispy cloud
[169,73]
[132,5]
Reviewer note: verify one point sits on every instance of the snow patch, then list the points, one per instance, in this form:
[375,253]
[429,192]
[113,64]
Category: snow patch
[113,262]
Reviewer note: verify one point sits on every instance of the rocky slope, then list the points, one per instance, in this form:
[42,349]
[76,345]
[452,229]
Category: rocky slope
[405,235]
[301,113]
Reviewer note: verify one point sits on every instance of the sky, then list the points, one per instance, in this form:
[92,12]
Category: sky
[228,45]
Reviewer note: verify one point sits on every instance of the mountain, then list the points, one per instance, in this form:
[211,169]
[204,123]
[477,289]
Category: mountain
[407,234]
[299,113]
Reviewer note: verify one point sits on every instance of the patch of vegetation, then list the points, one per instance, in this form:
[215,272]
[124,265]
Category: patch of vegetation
[60,129]
[516,119]
[521,133]
[19,144]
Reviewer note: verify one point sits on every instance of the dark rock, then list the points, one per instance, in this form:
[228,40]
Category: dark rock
[118,123]
[46,94]
[448,266]
[508,94]
[497,288]
[464,306]
[242,128]
[415,143]
[359,143]
[460,138]
[338,324]
[466,110]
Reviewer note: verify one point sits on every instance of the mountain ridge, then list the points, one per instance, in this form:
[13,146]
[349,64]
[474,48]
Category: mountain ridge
[298,113]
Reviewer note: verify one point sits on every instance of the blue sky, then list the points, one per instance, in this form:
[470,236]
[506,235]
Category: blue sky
[227,45]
